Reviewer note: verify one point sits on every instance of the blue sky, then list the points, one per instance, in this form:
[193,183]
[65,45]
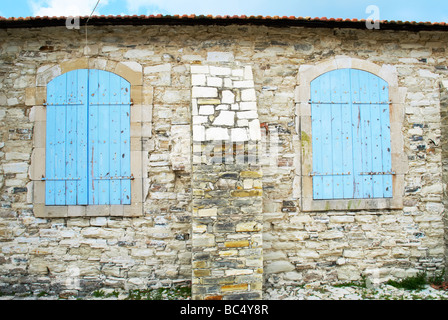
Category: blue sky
[407,10]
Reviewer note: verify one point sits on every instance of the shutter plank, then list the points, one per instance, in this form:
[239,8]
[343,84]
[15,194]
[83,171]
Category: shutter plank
[336,133]
[366,131]
[347,141]
[71,137]
[115,139]
[60,140]
[385,138]
[50,143]
[82,137]
[103,138]
[357,134]
[93,154]
[377,166]
[316,127]
[125,141]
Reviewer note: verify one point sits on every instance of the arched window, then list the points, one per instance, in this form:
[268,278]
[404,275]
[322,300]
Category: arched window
[88,139]
[351,139]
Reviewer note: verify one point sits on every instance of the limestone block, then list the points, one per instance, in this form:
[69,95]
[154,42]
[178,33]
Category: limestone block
[211,212]
[279,266]
[252,105]
[141,54]
[15,167]
[131,71]
[228,97]
[225,118]
[198,80]
[220,71]
[204,92]
[81,63]
[214,82]
[243,84]
[238,73]
[217,134]
[254,130]
[203,240]
[247,115]
[248,75]
[239,135]
[158,68]
[199,119]
[199,69]
[47,73]
[206,110]
[198,133]
[220,56]
[249,226]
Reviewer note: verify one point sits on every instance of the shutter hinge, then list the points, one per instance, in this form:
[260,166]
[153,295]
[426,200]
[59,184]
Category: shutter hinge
[377,173]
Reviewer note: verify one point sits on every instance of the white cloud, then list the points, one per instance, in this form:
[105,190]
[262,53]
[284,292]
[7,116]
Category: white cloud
[64,7]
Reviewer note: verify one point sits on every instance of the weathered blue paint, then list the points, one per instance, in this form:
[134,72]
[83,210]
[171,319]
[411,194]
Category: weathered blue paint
[88,139]
[350,136]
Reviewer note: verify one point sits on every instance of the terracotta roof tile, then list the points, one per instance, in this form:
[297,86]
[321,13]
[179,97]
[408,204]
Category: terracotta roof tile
[46,21]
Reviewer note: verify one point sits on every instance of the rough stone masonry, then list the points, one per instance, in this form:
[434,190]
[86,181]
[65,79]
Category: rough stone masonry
[218,140]
[227,257]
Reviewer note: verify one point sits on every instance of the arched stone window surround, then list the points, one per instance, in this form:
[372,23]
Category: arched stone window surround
[36,97]
[303,126]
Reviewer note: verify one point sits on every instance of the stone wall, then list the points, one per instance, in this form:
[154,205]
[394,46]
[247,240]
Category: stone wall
[81,254]
[444,143]
[227,219]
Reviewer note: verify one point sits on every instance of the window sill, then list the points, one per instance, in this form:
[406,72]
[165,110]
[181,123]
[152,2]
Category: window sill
[309,205]
[133,210]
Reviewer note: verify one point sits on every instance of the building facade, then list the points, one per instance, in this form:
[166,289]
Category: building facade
[234,154]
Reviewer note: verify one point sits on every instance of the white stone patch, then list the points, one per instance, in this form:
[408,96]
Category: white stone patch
[248,105]
[239,135]
[217,134]
[248,95]
[204,92]
[254,130]
[248,75]
[225,118]
[198,80]
[214,82]
[228,97]
[238,73]
[206,109]
[247,115]
[199,119]
[199,69]
[198,133]
[228,83]
[243,84]
[242,123]
[194,107]
[220,71]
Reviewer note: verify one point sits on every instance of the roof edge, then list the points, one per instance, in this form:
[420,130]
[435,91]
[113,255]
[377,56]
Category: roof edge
[274,21]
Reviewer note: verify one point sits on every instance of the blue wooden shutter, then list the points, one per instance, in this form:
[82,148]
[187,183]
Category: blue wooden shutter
[88,139]
[109,139]
[66,140]
[350,136]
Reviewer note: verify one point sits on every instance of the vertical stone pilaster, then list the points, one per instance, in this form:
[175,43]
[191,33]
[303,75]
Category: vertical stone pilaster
[227,258]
